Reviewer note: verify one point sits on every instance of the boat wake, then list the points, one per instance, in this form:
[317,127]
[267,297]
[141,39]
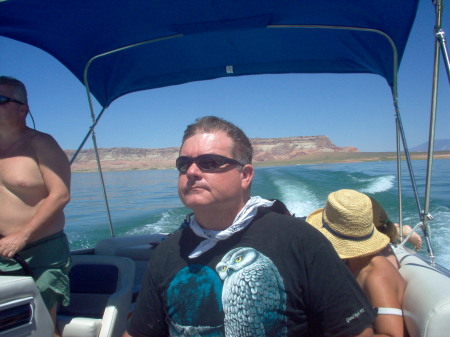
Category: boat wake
[167,222]
[298,198]
[377,185]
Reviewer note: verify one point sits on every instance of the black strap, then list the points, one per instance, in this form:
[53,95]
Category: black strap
[26,269]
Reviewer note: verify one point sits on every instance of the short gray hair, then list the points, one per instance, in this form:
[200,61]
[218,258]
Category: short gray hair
[20,91]
[242,149]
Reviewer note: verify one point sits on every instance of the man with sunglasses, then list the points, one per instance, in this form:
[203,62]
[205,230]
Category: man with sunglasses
[34,189]
[236,267]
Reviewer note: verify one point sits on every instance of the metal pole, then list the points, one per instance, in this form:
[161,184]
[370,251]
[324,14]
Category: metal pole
[105,196]
[91,129]
[399,169]
[95,120]
[435,81]
[440,35]
[94,140]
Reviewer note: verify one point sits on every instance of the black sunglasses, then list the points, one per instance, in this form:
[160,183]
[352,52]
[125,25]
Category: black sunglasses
[205,162]
[4,100]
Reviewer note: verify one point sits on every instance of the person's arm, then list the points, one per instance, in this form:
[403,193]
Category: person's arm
[54,168]
[382,287]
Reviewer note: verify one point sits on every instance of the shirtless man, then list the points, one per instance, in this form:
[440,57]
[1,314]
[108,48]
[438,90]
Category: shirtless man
[34,189]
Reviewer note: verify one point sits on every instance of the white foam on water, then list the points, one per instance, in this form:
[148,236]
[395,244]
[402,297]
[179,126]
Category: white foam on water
[82,240]
[377,185]
[297,197]
[440,232]
[160,226]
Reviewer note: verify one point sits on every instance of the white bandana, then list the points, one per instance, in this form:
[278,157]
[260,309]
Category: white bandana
[241,221]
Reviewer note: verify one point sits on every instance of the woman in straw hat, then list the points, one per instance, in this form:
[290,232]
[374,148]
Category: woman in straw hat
[347,222]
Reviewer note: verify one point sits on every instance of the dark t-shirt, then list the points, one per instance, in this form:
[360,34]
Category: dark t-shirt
[277,277]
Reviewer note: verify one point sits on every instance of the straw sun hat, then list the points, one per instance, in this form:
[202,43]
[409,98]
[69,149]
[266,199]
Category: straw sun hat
[347,222]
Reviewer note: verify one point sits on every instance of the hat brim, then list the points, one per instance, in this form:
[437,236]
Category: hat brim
[348,248]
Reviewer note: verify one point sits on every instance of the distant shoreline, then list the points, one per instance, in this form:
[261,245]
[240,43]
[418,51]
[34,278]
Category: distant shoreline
[353,157]
[319,158]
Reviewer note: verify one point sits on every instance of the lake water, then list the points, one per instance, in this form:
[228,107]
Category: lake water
[147,201]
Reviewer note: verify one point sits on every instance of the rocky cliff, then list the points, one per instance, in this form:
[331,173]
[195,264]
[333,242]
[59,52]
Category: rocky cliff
[291,148]
[265,150]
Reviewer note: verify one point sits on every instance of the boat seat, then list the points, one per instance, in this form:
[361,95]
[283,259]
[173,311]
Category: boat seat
[426,303]
[100,289]
[22,310]
[137,247]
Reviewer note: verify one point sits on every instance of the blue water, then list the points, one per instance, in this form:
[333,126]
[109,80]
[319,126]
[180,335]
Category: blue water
[147,201]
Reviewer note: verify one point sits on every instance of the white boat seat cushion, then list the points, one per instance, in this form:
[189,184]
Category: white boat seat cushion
[426,304]
[101,289]
[79,326]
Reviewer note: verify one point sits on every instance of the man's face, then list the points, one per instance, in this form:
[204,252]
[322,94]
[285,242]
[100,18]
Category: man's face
[223,189]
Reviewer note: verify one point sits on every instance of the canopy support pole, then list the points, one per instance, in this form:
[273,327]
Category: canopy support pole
[94,141]
[91,129]
[95,120]
[440,38]
[105,197]
[439,45]
[423,215]
[399,170]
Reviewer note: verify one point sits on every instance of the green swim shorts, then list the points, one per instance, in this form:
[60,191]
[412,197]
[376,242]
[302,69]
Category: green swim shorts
[50,262]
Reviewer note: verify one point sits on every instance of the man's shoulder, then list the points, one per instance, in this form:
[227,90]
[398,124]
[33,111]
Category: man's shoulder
[172,238]
[45,146]
[288,228]
[283,220]
[39,137]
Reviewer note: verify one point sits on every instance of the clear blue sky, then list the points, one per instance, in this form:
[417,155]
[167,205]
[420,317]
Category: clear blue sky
[352,110]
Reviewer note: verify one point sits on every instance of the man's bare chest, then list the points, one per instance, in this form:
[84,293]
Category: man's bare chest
[20,174]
